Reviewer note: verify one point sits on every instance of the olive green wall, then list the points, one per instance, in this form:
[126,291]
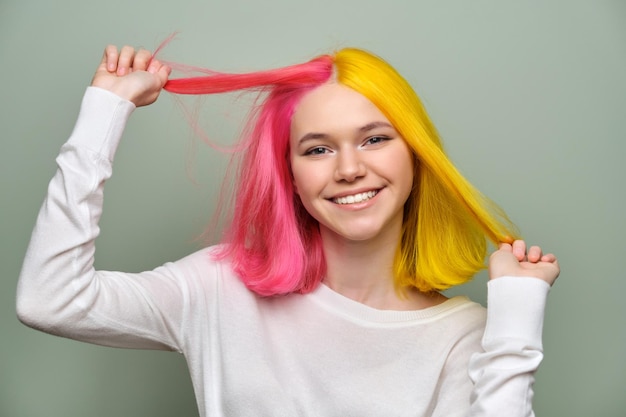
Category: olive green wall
[529,96]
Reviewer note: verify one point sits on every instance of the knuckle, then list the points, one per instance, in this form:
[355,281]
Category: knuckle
[128,50]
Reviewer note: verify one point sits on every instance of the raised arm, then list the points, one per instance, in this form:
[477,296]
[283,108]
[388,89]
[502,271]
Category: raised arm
[59,290]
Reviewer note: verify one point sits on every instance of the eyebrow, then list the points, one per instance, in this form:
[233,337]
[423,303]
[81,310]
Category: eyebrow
[363,129]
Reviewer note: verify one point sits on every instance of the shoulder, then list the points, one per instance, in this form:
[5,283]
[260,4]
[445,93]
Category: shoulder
[209,275]
[464,326]
[459,323]
[204,265]
[462,312]
[203,259]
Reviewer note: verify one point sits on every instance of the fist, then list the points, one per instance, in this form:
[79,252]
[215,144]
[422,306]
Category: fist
[519,261]
[132,75]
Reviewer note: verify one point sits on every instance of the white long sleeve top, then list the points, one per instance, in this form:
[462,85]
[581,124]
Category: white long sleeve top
[319,354]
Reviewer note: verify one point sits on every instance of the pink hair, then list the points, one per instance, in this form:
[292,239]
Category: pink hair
[273,243]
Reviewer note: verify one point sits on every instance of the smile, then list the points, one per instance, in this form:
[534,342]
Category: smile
[356,198]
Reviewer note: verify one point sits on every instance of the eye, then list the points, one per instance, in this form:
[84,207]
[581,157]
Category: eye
[376,139]
[318,150]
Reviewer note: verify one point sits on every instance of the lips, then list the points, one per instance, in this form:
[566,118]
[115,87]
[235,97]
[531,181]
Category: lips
[355,198]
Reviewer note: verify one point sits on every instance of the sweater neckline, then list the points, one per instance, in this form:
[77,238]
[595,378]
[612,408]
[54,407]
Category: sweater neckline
[355,311]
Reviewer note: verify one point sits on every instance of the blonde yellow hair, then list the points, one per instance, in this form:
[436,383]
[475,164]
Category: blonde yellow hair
[446,221]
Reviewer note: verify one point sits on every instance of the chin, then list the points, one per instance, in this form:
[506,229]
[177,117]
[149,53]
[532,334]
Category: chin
[358,235]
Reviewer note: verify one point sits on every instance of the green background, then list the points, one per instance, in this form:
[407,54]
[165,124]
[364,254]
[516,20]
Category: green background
[530,98]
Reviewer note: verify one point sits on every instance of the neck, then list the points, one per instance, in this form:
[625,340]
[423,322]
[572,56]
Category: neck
[363,271]
[359,265]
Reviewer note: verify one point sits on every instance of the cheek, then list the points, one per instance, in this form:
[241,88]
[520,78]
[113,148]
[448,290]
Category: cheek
[304,193]
[307,183]
[296,190]
[406,168]
[294,183]
[300,174]
[293,174]
[300,182]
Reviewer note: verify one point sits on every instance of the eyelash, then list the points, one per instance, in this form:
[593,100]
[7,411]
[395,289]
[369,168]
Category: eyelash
[374,140]
[312,151]
[380,137]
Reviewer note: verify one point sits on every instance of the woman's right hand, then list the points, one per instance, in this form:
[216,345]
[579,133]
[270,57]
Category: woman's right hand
[132,75]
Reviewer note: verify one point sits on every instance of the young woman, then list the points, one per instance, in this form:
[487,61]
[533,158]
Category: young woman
[323,299]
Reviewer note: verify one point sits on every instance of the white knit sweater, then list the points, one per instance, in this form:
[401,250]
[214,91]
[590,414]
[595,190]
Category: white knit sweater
[319,354]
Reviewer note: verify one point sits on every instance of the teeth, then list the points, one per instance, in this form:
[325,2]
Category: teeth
[356,198]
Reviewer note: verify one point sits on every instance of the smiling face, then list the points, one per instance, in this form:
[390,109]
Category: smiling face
[351,168]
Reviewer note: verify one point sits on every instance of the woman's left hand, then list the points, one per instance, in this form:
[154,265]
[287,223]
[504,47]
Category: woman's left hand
[518,261]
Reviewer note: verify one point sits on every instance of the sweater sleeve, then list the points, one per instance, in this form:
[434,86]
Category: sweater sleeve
[59,290]
[503,373]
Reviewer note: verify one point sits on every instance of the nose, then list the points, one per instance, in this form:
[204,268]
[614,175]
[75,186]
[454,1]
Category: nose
[349,166]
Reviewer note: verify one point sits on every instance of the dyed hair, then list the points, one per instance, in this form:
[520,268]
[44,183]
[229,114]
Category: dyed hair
[275,245]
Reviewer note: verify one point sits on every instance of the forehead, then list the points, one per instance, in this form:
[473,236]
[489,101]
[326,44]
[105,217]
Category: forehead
[333,107]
